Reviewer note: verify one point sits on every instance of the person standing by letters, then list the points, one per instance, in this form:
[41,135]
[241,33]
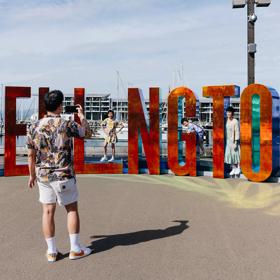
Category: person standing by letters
[232,151]
[109,126]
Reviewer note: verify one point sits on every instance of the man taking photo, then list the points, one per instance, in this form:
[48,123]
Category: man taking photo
[50,161]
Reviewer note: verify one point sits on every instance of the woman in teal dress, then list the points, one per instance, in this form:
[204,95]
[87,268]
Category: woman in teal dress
[232,151]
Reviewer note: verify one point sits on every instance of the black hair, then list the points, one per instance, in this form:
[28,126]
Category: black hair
[184,120]
[53,100]
[111,111]
[230,109]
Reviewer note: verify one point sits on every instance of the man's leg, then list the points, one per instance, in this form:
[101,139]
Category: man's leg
[73,224]
[73,220]
[48,226]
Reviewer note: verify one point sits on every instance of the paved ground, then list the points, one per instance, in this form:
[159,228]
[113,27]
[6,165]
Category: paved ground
[148,227]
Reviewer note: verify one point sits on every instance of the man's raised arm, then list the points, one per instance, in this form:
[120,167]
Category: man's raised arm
[82,130]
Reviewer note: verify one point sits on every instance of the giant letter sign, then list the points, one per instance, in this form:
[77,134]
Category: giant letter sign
[42,109]
[149,131]
[220,101]
[12,130]
[259,132]
[175,97]
[79,149]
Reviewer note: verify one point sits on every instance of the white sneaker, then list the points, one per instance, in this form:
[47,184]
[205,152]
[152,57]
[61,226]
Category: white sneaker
[77,255]
[104,158]
[237,171]
[52,257]
[232,172]
[111,159]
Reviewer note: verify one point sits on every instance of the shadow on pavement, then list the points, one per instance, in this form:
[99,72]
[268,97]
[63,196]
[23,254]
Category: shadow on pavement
[125,239]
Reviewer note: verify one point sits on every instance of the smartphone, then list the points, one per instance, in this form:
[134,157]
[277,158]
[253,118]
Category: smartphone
[71,109]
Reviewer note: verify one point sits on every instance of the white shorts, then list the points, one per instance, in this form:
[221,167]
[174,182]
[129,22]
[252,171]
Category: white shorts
[64,192]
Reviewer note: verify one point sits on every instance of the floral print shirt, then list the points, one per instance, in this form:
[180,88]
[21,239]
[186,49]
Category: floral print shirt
[52,139]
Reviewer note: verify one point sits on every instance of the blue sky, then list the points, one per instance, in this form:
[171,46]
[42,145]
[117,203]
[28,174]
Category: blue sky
[82,43]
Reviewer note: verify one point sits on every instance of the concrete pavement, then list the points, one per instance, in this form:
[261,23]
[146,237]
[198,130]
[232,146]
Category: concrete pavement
[148,227]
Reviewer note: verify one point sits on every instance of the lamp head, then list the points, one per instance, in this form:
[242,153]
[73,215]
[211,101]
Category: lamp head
[252,18]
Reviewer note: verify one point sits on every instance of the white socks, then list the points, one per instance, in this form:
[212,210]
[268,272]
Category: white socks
[51,245]
[75,242]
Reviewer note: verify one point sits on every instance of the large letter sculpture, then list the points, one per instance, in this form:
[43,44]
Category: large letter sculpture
[149,131]
[79,149]
[220,95]
[259,132]
[175,99]
[12,129]
[42,109]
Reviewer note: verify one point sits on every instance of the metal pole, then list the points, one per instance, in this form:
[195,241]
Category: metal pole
[2,103]
[2,110]
[118,90]
[251,40]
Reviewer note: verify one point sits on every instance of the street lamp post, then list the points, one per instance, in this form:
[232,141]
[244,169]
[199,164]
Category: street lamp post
[2,101]
[2,115]
[252,47]
[252,18]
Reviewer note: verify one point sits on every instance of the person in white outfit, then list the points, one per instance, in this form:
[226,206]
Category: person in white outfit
[232,151]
